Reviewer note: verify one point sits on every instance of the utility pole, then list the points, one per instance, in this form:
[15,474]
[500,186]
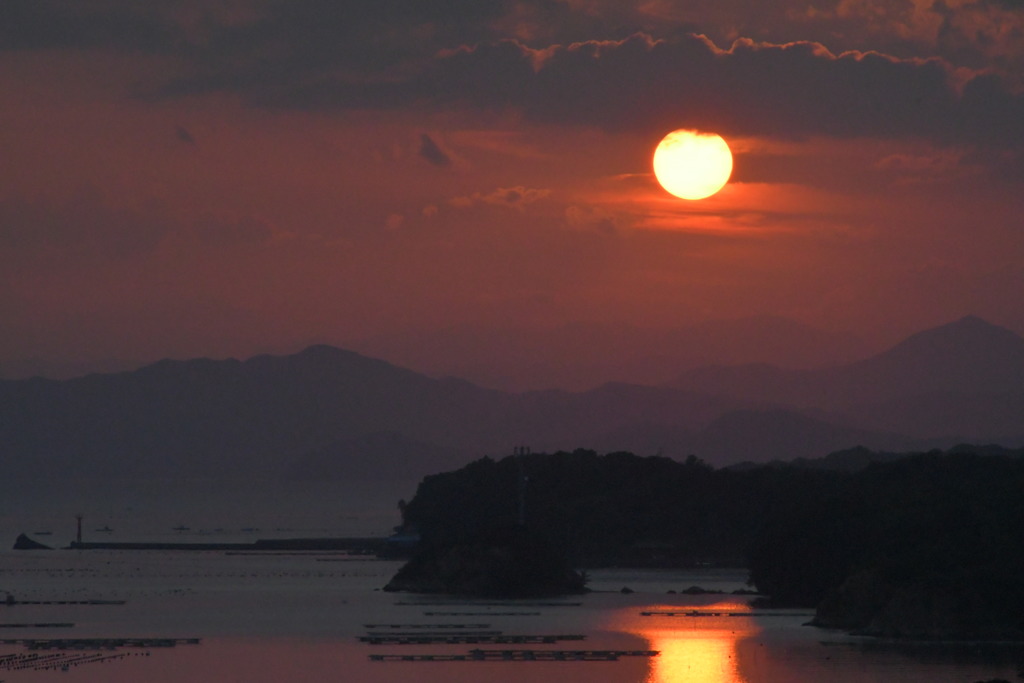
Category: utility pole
[520,452]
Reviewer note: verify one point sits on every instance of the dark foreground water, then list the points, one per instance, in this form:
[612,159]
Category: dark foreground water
[285,617]
[299,617]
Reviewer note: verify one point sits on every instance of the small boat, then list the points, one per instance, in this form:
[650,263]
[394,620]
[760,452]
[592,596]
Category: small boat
[105,530]
[181,527]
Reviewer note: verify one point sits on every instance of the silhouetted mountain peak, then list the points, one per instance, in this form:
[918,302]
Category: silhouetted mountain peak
[319,354]
[971,319]
[326,351]
[960,336]
[959,378]
[322,363]
[971,353]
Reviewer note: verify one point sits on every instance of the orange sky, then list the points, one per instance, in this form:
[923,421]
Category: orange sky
[185,181]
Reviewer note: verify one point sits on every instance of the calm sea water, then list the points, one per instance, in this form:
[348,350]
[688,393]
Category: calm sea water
[286,617]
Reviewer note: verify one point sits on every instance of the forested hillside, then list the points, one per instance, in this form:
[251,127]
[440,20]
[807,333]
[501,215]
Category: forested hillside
[924,545]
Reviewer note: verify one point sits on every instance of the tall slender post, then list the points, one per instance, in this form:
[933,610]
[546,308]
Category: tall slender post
[521,451]
[78,535]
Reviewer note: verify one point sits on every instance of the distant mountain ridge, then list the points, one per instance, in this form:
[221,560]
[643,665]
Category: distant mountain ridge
[201,416]
[966,378]
[327,412]
[581,356]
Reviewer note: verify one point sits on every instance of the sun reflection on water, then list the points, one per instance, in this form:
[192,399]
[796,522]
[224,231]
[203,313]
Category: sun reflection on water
[695,649]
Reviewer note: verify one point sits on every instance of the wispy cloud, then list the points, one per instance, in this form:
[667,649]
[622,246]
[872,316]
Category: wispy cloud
[518,197]
[430,151]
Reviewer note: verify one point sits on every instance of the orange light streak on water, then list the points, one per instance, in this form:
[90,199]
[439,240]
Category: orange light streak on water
[695,649]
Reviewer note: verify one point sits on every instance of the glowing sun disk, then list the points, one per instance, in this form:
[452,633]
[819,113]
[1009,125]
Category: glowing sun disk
[691,164]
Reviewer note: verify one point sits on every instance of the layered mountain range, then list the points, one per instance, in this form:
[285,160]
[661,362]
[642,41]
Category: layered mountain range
[327,412]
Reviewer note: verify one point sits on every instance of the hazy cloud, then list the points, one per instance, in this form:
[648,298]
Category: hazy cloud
[430,151]
[938,165]
[184,136]
[517,197]
[590,218]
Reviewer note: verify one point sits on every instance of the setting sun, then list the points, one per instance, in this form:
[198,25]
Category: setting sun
[691,164]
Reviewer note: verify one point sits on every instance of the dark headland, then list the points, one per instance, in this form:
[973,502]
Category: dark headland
[922,545]
[504,561]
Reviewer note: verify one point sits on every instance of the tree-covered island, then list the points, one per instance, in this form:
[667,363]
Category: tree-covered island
[927,545]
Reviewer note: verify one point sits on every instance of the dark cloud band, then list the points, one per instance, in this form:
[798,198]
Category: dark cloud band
[792,90]
[641,84]
[344,54]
